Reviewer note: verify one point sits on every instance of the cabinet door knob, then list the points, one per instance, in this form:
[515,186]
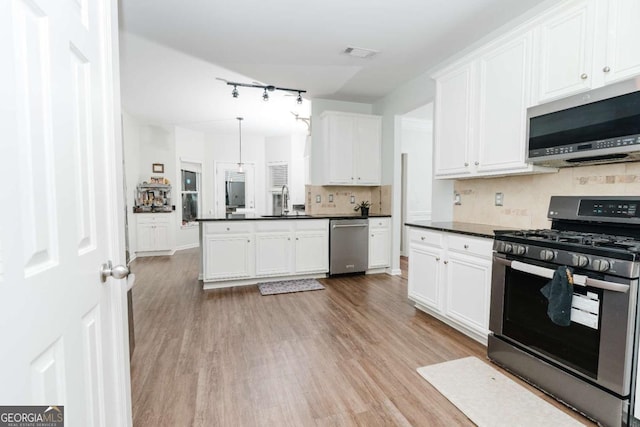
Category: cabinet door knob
[288,238]
[422,238]
[466,164]
[466,246]
[437,258]
[297,238]
[228,228]
[248,241]
[477,163]
[606,69]
[446,262]
[372,235]
[584,76]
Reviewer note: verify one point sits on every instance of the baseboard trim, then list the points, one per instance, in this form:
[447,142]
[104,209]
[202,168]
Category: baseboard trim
[142,254]
[189,246]
[394,272]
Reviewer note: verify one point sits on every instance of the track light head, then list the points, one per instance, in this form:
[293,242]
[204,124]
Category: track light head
[265,95]
[234,92]
[299,98]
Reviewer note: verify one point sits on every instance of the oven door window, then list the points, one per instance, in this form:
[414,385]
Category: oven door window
[526,321]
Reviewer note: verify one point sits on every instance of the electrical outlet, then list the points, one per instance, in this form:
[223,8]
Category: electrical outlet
[457,200]
[330,198]
[499,199]
[318,199]
[353,199]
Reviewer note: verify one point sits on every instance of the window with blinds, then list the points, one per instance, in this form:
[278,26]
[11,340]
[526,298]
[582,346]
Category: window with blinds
[278,175]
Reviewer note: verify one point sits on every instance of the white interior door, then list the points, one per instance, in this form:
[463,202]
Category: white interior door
[64,339]
[249,187]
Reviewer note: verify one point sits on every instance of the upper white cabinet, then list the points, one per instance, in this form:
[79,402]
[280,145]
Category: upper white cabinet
[352,148]
[481,112]
[453,121]
[586,44]
[566,51]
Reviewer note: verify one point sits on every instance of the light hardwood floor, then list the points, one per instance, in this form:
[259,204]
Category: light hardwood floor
[346,355]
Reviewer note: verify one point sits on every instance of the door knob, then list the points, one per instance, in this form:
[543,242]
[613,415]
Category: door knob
[117,272]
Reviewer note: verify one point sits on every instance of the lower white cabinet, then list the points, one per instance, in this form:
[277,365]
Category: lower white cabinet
[243,250]
[228,256]
[311,251]
[379,242]
[154,232]
[450,278]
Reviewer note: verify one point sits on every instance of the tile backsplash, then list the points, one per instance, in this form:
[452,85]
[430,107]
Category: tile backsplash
[379,197]
[526,197]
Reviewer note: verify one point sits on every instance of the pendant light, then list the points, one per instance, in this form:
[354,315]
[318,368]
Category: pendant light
[240,164]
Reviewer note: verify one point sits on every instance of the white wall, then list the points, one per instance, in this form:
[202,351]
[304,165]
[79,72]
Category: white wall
[225,148]
[131,148]
[417,143]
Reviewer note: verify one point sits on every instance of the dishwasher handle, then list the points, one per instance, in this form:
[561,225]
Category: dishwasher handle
[349,225]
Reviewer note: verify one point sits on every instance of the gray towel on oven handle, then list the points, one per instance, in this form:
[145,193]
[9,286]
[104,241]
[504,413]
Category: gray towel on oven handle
[559,292]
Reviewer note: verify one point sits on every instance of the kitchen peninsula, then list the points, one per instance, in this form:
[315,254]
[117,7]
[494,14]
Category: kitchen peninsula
[247,249]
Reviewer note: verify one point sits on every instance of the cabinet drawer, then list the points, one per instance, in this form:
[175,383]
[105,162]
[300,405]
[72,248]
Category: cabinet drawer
[274,225]
[426,237]
[312,224]
[379,223]
[471,245]
[228,227]
[153,219]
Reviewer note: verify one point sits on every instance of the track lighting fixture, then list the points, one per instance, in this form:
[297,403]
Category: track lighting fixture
[267,89]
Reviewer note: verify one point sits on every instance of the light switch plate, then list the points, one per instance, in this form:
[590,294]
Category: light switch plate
[353,199]
[330,198]
[457,200]
[318,199]
[499,199]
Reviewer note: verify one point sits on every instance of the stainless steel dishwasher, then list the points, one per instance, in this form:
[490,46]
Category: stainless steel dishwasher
[349,245]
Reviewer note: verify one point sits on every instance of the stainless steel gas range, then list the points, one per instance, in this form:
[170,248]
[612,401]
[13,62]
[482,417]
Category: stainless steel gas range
[589,364]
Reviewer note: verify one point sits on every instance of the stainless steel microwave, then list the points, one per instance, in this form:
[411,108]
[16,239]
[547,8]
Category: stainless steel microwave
[599,126]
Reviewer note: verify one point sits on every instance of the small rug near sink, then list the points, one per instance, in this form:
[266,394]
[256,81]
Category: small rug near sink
[490,398]
[288,286]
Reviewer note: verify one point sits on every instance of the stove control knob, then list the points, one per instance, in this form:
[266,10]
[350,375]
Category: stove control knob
[519,250]
[546,255]
[508,248]
[600,265]
[579,260]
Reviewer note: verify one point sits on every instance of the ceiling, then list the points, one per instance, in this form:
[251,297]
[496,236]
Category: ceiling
[172,52]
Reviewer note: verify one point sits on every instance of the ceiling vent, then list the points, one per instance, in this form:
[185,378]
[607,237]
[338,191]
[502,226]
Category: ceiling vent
[359,52]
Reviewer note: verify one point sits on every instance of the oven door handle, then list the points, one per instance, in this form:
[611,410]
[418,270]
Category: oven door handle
[577,278]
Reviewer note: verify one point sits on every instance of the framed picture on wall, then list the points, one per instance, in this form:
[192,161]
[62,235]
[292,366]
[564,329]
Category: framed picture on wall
[158,168]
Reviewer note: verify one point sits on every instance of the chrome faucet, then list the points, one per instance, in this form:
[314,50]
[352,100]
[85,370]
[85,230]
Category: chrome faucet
[285,200]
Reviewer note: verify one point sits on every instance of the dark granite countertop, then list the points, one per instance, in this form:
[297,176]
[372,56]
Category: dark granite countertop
[252,217]
[480,230]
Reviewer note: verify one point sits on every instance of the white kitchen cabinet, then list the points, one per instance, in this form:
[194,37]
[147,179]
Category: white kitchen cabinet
[228,250]
[379,242]
[228,256]
[585,45]
[450,278]
[454,107]
[622,58]
[480,112]
[311,251]
[425,276]
[153,233]
[242,252]
[273,254]
[565,50]
[352,154]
